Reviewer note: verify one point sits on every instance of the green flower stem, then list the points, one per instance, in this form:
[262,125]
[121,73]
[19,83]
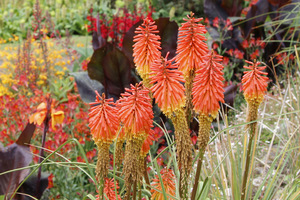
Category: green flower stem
[248,158]
[146,174]
[199,166]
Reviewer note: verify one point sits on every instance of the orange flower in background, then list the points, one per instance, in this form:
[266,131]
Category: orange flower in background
[146,48]
[103,119]
[39,116]
[208,86]
[167,90]
[135,110]
[57,117]
[109,189]
[168,180]
[191,47]
[254,83]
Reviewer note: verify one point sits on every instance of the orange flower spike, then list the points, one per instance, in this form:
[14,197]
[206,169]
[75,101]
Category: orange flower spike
[103,119]
[254,87]
[109,189]
[168,180]
[135,110]
[146,48]
[208,86]
[191,47]
[254,83]
[167,88]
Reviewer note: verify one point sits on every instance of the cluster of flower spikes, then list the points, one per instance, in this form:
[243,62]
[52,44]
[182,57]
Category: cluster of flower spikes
[104,124]
[207,93]
[254,87]
[190,51]
[168,181]
[146,49]
[135,112]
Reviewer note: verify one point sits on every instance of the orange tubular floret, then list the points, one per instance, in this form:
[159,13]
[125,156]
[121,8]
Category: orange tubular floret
[208,86]
[135,110]
[191,47]
[103,119]
[167,89]
[147,47]
[254,83]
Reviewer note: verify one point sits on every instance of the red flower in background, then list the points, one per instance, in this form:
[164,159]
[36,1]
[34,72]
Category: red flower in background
[50,181]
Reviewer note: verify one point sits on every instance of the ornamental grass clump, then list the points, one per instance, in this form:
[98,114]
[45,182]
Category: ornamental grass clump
[104,124]
[135,112]
[207,94]
[146,49]
[254,87]
[168,91]
[190,51]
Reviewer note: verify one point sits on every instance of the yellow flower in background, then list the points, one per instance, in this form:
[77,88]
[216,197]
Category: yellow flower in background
[43,77]
[57,117]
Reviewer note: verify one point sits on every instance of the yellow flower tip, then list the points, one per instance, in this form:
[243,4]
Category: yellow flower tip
[167,88]
[254,82]
[191,46]
[208,86]
[103,119]
[146,48]
[135,110]
[57,117]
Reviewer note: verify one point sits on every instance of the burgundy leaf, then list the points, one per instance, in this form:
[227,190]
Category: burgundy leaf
[13,157]
[168,32]
[26,135]
[128,42]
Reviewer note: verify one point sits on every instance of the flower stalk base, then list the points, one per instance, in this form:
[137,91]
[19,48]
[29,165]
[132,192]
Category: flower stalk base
[131,169]
[184,149]
[203,138]
[102,164]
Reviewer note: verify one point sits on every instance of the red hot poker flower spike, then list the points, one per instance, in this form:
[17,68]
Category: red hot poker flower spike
[135,110]
[208,86]
[103,119]
[191,47]
[167,89]
[254,83]
[168,180]
[146,48]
